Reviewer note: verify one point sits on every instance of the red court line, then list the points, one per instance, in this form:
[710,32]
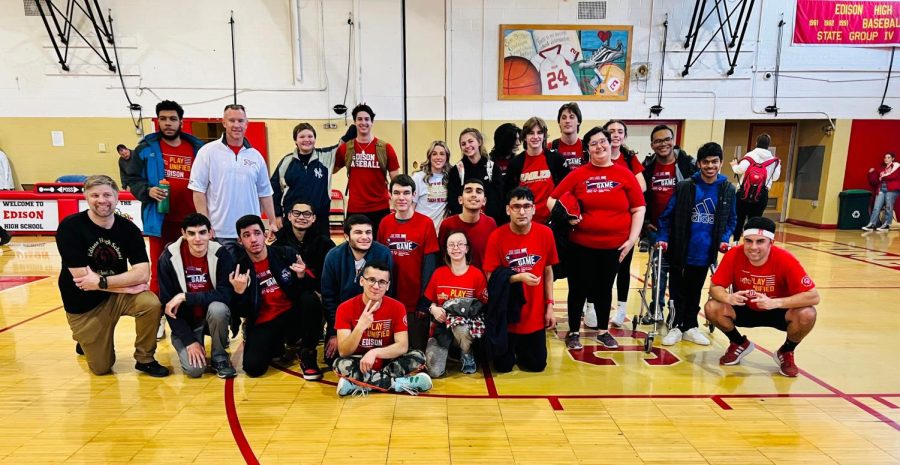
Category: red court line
[554,402]
[789,237]
[489,381]
[235,424]
[29,319]
[853,400]
[9,282]
[886,402]
[721,403]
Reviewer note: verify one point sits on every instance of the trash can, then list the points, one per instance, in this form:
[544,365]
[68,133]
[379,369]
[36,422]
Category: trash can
[854,209]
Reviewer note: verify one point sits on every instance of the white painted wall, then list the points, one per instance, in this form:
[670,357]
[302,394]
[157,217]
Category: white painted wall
[183,53]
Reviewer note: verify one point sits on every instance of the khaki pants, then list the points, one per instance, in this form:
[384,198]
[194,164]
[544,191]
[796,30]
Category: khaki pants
[95,329]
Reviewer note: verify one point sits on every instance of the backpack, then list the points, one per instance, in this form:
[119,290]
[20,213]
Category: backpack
[755,179]
[380,154]
[462,171]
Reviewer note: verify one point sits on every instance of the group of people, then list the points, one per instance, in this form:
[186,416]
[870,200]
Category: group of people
[453,257]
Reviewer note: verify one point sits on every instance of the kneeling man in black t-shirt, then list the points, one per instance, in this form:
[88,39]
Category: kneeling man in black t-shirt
[97,287]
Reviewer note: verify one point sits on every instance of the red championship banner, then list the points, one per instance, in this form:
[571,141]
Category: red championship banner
[853,23]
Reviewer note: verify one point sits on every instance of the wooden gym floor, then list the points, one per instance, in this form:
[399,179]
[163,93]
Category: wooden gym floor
[600,406]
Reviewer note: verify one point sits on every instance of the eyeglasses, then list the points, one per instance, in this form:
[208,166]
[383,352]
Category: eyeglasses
[304,214]
[596,143]
[521,207]
[662,141]
[380,282]
[456,245]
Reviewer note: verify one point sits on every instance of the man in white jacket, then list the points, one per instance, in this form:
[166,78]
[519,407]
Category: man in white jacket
[757,170]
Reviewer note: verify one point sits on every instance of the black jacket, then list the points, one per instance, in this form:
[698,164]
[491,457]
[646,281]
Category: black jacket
[312,250]
[680,232]
[170,269]
[504,307]
[685,167]
[555,162]
[492,188]
[247,305]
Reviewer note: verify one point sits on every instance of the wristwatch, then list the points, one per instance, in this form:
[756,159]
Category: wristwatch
[103,283]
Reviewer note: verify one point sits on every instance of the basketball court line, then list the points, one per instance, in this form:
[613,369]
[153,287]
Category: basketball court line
[14,281]
[848,251]
[29,319]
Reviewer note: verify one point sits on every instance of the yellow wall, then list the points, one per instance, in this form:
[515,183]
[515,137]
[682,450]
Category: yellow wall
[27,143]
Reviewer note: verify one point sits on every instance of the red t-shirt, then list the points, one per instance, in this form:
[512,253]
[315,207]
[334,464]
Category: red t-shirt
[607,196]
[662,186]
[274,300]
[389,319]
[636,166]
[536,176]
[780,276]
[573,154]
[409,242]
[476,232]
[527,253]
[196,278]
[445,285]
[177,162]
[367,186]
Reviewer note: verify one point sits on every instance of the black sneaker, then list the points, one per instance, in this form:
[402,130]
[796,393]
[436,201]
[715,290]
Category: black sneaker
[608,341]
[309,366]
[224,369]
[573,341]
[78,349]
[153,369]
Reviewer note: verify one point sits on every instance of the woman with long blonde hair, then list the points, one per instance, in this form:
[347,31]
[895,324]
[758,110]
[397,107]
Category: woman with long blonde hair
[431,183]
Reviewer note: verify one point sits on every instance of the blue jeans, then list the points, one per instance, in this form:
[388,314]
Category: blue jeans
[884,199]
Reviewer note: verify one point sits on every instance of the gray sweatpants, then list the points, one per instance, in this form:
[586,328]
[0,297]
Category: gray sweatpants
[218,317]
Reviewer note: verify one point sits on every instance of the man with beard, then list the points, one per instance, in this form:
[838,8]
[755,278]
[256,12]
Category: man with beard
[97,287]
[340,275]
[269,282]
[164,155]
[230,179]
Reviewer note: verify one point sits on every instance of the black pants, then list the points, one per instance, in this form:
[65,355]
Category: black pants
[686,286]
[623,278]
[747,210]
[528,351]
[265,341]
[419,327]
[591,276]
[376,218]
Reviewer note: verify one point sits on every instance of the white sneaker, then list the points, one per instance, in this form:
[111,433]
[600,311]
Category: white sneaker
[868,227]
[161,332]
[590,316]
[694,335]
[673,337]
[619,319]
[883,228]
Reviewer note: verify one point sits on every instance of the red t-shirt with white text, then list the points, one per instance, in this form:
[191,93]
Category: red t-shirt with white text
[196,278]
[636,166]
[367,186]
[780,276]
[573,154]
[536,176]
[274,300]
[177,162]
[662,186]
[389,319]
[445,285]
[526,253]
[409,241]
[477,233]
[607,195]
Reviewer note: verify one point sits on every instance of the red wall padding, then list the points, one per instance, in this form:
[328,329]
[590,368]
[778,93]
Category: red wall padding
[869,141]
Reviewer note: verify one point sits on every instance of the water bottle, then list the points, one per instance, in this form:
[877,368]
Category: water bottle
[163,205]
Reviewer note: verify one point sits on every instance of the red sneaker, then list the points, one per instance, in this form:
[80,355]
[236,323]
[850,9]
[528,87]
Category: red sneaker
[736,352]
[785,361]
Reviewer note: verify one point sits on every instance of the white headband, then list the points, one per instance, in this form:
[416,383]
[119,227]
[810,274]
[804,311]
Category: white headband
[760,232]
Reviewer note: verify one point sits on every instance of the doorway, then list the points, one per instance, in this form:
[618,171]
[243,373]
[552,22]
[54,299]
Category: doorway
[783,146]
